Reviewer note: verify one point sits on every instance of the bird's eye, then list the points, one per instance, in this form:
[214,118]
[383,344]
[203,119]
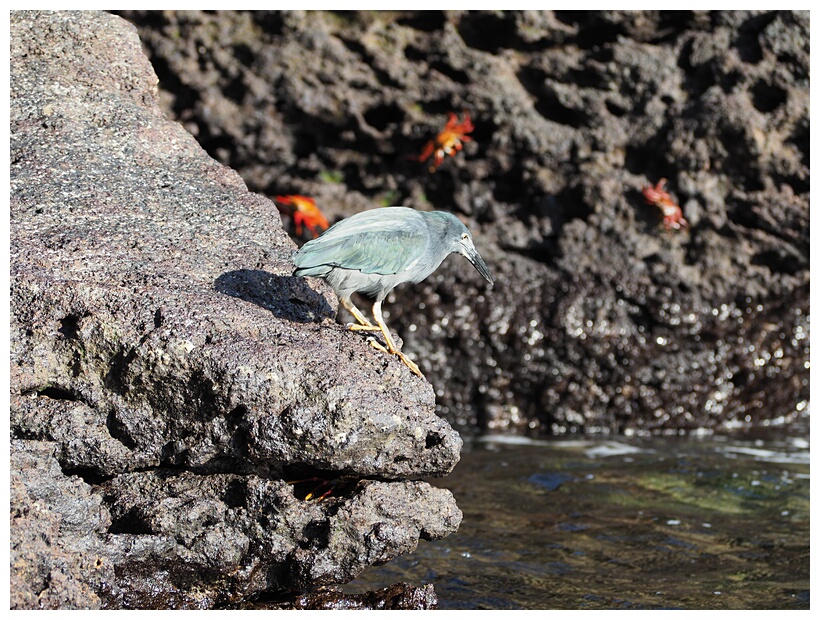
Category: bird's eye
[465,236]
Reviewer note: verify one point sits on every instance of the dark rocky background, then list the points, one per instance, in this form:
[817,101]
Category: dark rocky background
[169,377]
[601,320]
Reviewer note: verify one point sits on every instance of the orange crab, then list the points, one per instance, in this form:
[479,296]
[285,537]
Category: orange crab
[448,141]
[659,197]
[304,213]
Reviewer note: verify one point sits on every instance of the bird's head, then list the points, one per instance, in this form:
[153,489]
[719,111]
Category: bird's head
[462,242]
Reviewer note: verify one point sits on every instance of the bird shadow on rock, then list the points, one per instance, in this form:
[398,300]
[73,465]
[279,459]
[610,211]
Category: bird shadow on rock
[287,297]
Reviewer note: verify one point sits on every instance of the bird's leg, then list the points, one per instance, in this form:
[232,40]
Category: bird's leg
[391,346]
[364,324]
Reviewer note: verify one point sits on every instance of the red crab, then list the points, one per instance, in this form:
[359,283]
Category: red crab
[448,141]
[672,214]
[304,213]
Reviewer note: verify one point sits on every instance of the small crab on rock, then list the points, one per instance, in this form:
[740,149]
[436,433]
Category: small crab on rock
[448,141]
[304,212]
[672,214]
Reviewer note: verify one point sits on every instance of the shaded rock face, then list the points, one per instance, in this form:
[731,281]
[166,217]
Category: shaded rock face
[600,318]
[169,375]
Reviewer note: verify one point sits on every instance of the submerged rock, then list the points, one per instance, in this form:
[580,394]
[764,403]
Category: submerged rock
[168,375]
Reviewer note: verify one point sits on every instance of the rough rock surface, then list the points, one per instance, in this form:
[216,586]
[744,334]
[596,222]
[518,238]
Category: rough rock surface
[600,319]
[168,375]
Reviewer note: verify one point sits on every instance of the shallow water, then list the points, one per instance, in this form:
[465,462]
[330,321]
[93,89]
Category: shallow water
[658,523]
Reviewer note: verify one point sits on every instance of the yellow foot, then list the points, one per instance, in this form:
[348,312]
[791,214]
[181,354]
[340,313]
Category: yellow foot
[409,363]
[363,328]
[377,345]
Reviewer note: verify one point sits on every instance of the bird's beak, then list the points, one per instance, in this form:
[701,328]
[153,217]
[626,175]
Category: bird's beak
[472,255]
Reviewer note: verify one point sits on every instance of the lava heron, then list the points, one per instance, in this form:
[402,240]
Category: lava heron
[374,251]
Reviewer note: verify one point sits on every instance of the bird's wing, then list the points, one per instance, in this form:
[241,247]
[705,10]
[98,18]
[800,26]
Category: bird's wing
[383,253]
[380,244]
